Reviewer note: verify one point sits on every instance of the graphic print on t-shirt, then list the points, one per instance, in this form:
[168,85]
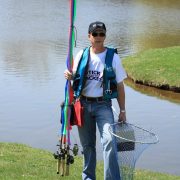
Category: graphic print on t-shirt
[94,75]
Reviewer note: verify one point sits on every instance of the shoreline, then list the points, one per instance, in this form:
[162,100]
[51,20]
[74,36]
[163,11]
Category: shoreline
[158,68]
[154,91]
[166,87]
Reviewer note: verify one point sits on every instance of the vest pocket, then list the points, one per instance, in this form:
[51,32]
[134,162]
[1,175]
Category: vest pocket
[113,85]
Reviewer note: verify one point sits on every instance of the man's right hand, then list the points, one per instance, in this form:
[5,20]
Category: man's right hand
[68,75]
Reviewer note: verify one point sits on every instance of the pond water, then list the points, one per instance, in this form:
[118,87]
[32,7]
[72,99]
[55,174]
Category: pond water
[33,49]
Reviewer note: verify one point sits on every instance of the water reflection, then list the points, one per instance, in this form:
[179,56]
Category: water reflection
[29,59]
[156,41]
[175,4]
[162,94]
[155,26]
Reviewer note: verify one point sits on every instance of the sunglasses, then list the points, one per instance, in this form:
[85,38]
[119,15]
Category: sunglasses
[94,34]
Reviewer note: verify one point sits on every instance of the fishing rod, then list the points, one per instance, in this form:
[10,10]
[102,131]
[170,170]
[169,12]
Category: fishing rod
[65,155]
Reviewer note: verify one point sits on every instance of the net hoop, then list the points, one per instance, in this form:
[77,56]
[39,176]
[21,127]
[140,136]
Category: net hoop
[134,141]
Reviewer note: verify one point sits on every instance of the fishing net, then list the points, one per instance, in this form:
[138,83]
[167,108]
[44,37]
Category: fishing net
[131,141]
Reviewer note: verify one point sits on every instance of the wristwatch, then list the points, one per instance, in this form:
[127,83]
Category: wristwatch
[123,110]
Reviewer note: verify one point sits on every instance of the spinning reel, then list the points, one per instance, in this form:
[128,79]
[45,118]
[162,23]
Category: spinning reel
[64,158]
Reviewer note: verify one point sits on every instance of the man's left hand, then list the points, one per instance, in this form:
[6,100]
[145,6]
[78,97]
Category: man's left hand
[122,117]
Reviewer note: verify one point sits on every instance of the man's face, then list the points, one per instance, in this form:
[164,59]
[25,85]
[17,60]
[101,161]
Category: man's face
[97,37]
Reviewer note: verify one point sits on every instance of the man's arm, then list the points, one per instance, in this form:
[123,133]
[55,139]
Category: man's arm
[121,101]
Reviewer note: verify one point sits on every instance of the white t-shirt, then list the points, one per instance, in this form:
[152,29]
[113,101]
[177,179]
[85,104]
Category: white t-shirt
[93,86]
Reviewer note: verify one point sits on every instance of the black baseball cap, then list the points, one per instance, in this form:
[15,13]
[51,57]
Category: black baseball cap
[96,25]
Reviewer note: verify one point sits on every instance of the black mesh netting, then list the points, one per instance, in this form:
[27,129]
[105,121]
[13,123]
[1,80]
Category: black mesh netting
[131,141]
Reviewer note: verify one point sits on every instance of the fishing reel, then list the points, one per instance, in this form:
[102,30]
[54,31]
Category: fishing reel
[60,154]
[65,158]
[70,159]
[75,150]
[63,151]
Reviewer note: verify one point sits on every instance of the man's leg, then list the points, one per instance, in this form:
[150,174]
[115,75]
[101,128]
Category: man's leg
[87,135]
[104,117]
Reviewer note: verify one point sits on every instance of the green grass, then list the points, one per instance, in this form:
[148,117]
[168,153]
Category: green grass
[19,161]
[155,67]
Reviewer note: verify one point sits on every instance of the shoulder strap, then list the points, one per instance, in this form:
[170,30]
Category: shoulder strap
[83,58]
[79,78]
[109,76]
[109,56]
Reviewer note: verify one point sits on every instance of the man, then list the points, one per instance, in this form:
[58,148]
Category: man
[94,90]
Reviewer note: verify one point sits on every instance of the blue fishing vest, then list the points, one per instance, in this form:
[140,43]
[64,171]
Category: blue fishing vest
[109,77]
